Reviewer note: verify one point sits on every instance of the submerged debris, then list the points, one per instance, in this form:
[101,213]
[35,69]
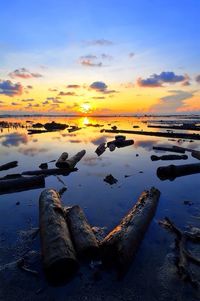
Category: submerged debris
[110,179]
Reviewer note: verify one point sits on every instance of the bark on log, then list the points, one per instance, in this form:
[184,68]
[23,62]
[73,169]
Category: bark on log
[121,244]
[171,172]
[82,235]
[71,162]
[49,172]
[195,154]
[61,162]
[58,254]
[173,149]
[21,184]
[169,157]
[8,165]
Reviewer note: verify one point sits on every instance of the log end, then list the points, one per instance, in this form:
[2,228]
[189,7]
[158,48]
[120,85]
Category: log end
[61,271]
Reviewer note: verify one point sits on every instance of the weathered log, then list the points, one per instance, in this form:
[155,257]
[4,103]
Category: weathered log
[21,184]
[8,165]
[82,235]
[58,254]
[173,149]
[49,172]
[121,244]
[61,162]
[120,143]
[195,154]
[71,162]
[156,134]
[171,172]
[176,127]
[169,157]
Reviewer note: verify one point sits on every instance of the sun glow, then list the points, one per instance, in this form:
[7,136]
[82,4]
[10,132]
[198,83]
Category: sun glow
[85,108]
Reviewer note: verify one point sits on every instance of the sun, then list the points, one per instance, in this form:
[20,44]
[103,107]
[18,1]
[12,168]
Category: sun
[85,108]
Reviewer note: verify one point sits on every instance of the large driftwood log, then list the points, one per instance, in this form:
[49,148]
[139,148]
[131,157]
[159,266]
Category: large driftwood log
[121,244]
[59,257]
[61,160]
[8,165]
[171,172]
[21,184]
[169,157]
[82,235]
[71,162]
[120,143]
[195,154]
[49,172]
[173,149]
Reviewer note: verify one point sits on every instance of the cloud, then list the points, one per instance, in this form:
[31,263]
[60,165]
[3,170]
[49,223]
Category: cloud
[61,93]
[131,54]
[197,78]
[29,87]
[14,139]
[106,56]
[73,86]
[10,89]
[90,63]
[53,89]
[30,105]
[157,80]
[88,57]
[101,87]
[172,102]
[100,42]
[98,97]
[1,101]
[32,151]
[14,104]
[28,99]
[23,73]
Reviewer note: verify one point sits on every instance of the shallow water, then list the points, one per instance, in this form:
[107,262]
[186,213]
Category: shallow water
[151,276]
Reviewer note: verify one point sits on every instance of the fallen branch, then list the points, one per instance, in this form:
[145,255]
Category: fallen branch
[8,165]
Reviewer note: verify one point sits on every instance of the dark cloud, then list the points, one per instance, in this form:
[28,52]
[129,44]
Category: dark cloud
[106,56]
[32,151]
[29,87]
[73,86]
[46,102]
[88,57]
[14,139]
[197,78]
[30,106]
[73,106]
[53,90]
[15,103]
[101,87]
[23,73]
[61,93]
[1,101]
[10,89]
[90,63]
[28,100]
[98,97]
[131,54]
[100,42]
[157,80]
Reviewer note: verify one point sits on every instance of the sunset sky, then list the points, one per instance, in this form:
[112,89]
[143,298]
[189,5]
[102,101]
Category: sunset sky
[100,57]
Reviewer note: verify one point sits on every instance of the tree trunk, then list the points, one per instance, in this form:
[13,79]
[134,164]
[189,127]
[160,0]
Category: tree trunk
[21,184]
[171,172]
[121,244]
[8,165]
[58,254]
[61,162]
[83,237]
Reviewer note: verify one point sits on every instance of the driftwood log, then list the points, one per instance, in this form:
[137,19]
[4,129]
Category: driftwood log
[120,143]
[84,240]
[121,244]
[61,161]
[58,254]
[156,134]
[195,154]
[169,157]
[184,256]
[71,162]
[21,184]
[172,172]
[173,149]
[49,172]
[8,165]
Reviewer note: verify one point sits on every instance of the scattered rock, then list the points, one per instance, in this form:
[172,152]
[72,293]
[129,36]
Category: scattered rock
[110,179]
[43,166]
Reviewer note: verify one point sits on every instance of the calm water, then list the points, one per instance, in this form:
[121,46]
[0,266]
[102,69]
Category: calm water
[151,276]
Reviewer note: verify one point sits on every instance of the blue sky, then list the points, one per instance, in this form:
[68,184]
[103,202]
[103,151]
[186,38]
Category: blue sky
[58,36]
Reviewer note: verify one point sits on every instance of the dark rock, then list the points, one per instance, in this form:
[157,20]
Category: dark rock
[110,179]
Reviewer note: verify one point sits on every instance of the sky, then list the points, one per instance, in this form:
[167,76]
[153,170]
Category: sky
[100,57]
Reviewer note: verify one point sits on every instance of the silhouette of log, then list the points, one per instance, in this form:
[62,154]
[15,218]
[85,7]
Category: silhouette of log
[49,172]
[169,157]
[195,154]
[173,149]
[8,165]
[121,244]
[58,254]
[21,184]
[120,143]
[61,161]
[71,162]
[156,134]
[172,172]
[82,235]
